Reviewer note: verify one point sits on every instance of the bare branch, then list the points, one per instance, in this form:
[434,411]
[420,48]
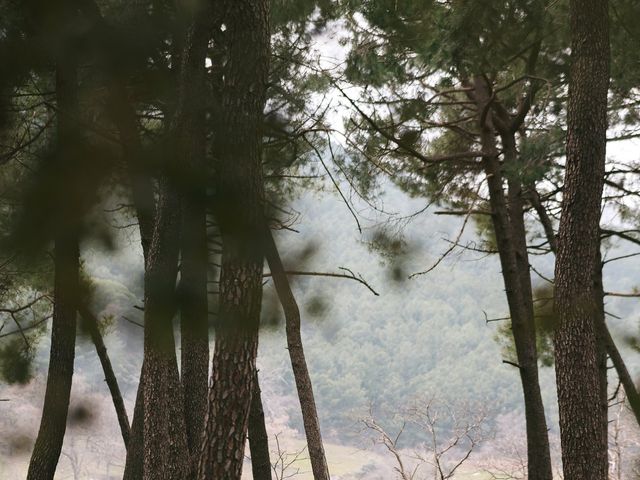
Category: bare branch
[350,276]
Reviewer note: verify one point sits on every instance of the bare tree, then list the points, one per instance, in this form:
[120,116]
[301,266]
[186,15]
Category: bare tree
[284,465]
[450,434]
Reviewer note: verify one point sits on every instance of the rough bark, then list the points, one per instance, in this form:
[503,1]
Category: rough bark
[165,444]
[538,452]
[509,229]
[601,345]
[258,437]
[91,325]
[133,468]
[48,445]
[298,362]
[583,414]
[194,255]
[633,397]
[239,214]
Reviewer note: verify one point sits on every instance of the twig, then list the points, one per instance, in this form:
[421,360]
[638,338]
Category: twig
[509,362]
[132,321]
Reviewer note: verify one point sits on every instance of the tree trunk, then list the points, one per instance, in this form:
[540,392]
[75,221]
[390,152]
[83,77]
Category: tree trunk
[91,324]
[133,468]
[583,415]
[610,345]
[194,323]
[240,217]
[46,451]
[48,445]
[510,236]
[601,338]
[298,361]
[123,115]
[165,443]
[538,451]
[258,437]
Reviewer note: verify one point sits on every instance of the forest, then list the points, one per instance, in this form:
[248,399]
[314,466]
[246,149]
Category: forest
[319,239]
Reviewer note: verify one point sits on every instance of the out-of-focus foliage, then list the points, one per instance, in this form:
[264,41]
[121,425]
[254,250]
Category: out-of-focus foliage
[545,321]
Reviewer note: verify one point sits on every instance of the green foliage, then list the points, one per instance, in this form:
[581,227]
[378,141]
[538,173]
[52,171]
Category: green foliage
[625,43]
[24,317]
[535,152]
[545,323]
[16,361]
[416,60]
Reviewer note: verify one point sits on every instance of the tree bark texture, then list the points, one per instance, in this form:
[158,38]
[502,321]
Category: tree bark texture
[633,397]
[48,445]
[583,415]
[298,362]
[133,468]
[508,224]
[258,437]
[166,455]
[538,451]
[194,325]
[239,214]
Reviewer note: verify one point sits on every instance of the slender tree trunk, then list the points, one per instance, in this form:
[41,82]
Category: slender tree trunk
[258,437]
[165,443]
[510,236]
[538,450]
[623,374]
[142,192]
[194,324]
[123,115]
[91,324]
[583,415]
[48,445]
[133,468]
[240,217]
[298,361]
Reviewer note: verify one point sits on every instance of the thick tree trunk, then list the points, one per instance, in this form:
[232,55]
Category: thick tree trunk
[48,445]
[258,437]
[240,217]
[298,361]
[91,325]
[510,236]
[610,345]
[633,397]
[194,324]
[583,415]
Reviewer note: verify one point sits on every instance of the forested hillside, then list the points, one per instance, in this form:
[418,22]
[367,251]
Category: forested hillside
[423,338]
